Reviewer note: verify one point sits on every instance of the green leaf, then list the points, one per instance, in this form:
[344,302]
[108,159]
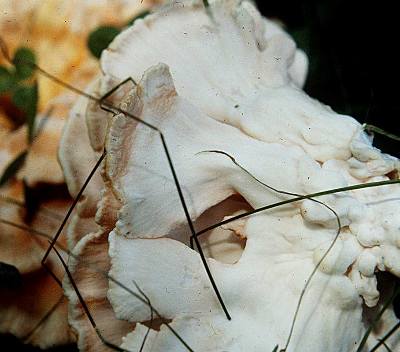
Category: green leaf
[141,15]
[23,61]
[7,80]
[12,168]
[26,98]
[100,38]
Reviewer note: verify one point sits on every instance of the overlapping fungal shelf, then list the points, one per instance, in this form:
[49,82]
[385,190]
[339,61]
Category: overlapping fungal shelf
[223,83]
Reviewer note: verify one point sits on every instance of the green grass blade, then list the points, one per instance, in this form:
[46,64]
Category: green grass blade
[377,318]
[382,341]
[372,128]
[13,168]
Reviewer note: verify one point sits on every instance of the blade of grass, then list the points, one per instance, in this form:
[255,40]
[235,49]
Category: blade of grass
[387,303]
[12,168]
[372,128]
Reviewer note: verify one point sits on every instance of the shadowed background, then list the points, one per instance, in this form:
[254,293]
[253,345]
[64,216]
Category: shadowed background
[351,47]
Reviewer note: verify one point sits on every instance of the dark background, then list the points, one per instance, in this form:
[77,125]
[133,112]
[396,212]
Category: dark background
[354,68]
[352,48]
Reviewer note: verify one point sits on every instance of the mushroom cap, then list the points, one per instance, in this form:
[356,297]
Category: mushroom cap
[135,170]
[229,82]
[242,74]
[87,272]
[282,247]
[77,159]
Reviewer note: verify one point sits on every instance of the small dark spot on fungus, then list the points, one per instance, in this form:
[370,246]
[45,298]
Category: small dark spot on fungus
[236,106]
[393,175]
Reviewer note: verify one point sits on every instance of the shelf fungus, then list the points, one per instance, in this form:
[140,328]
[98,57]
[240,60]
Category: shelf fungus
[224,87]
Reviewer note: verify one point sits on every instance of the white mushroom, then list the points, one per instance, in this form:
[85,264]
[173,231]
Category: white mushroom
[221,84]
[281,248]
